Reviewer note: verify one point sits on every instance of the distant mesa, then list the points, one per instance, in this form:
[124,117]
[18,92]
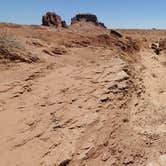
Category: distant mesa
[88,18]
[54,20]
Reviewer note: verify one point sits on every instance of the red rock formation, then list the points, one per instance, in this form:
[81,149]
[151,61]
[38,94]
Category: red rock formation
[52,19]
[87,17]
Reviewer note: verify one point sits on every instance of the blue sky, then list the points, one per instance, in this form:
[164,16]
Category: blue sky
[114,13]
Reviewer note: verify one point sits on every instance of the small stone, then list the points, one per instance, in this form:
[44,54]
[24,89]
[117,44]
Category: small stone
[106,156]
[57,126]
[43,105]
[128,160]
[64,163]
[74,99]
[104,98]
[121,76]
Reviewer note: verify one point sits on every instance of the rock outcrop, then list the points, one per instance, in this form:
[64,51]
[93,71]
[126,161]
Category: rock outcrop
[64,24]
[116,34]
[52,19]
[156,47]
[159,46]
[13,50]
[88,18]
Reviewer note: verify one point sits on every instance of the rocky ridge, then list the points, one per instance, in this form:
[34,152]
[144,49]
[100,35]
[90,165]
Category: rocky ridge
[54,20]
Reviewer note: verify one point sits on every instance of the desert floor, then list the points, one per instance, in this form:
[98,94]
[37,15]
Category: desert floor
[92,106]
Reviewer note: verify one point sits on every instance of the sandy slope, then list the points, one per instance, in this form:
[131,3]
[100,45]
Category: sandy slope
[91,106]
[49,107]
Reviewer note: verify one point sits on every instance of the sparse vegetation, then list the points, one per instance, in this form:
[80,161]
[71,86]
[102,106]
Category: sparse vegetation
[11,49]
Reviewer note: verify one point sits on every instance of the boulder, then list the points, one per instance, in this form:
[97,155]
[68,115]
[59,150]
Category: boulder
[52,19]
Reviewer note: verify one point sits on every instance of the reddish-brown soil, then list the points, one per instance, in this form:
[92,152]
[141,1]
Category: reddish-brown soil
[82,97]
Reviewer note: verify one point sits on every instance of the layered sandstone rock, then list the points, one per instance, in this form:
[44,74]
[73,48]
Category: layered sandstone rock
[88,18]
[52,19]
